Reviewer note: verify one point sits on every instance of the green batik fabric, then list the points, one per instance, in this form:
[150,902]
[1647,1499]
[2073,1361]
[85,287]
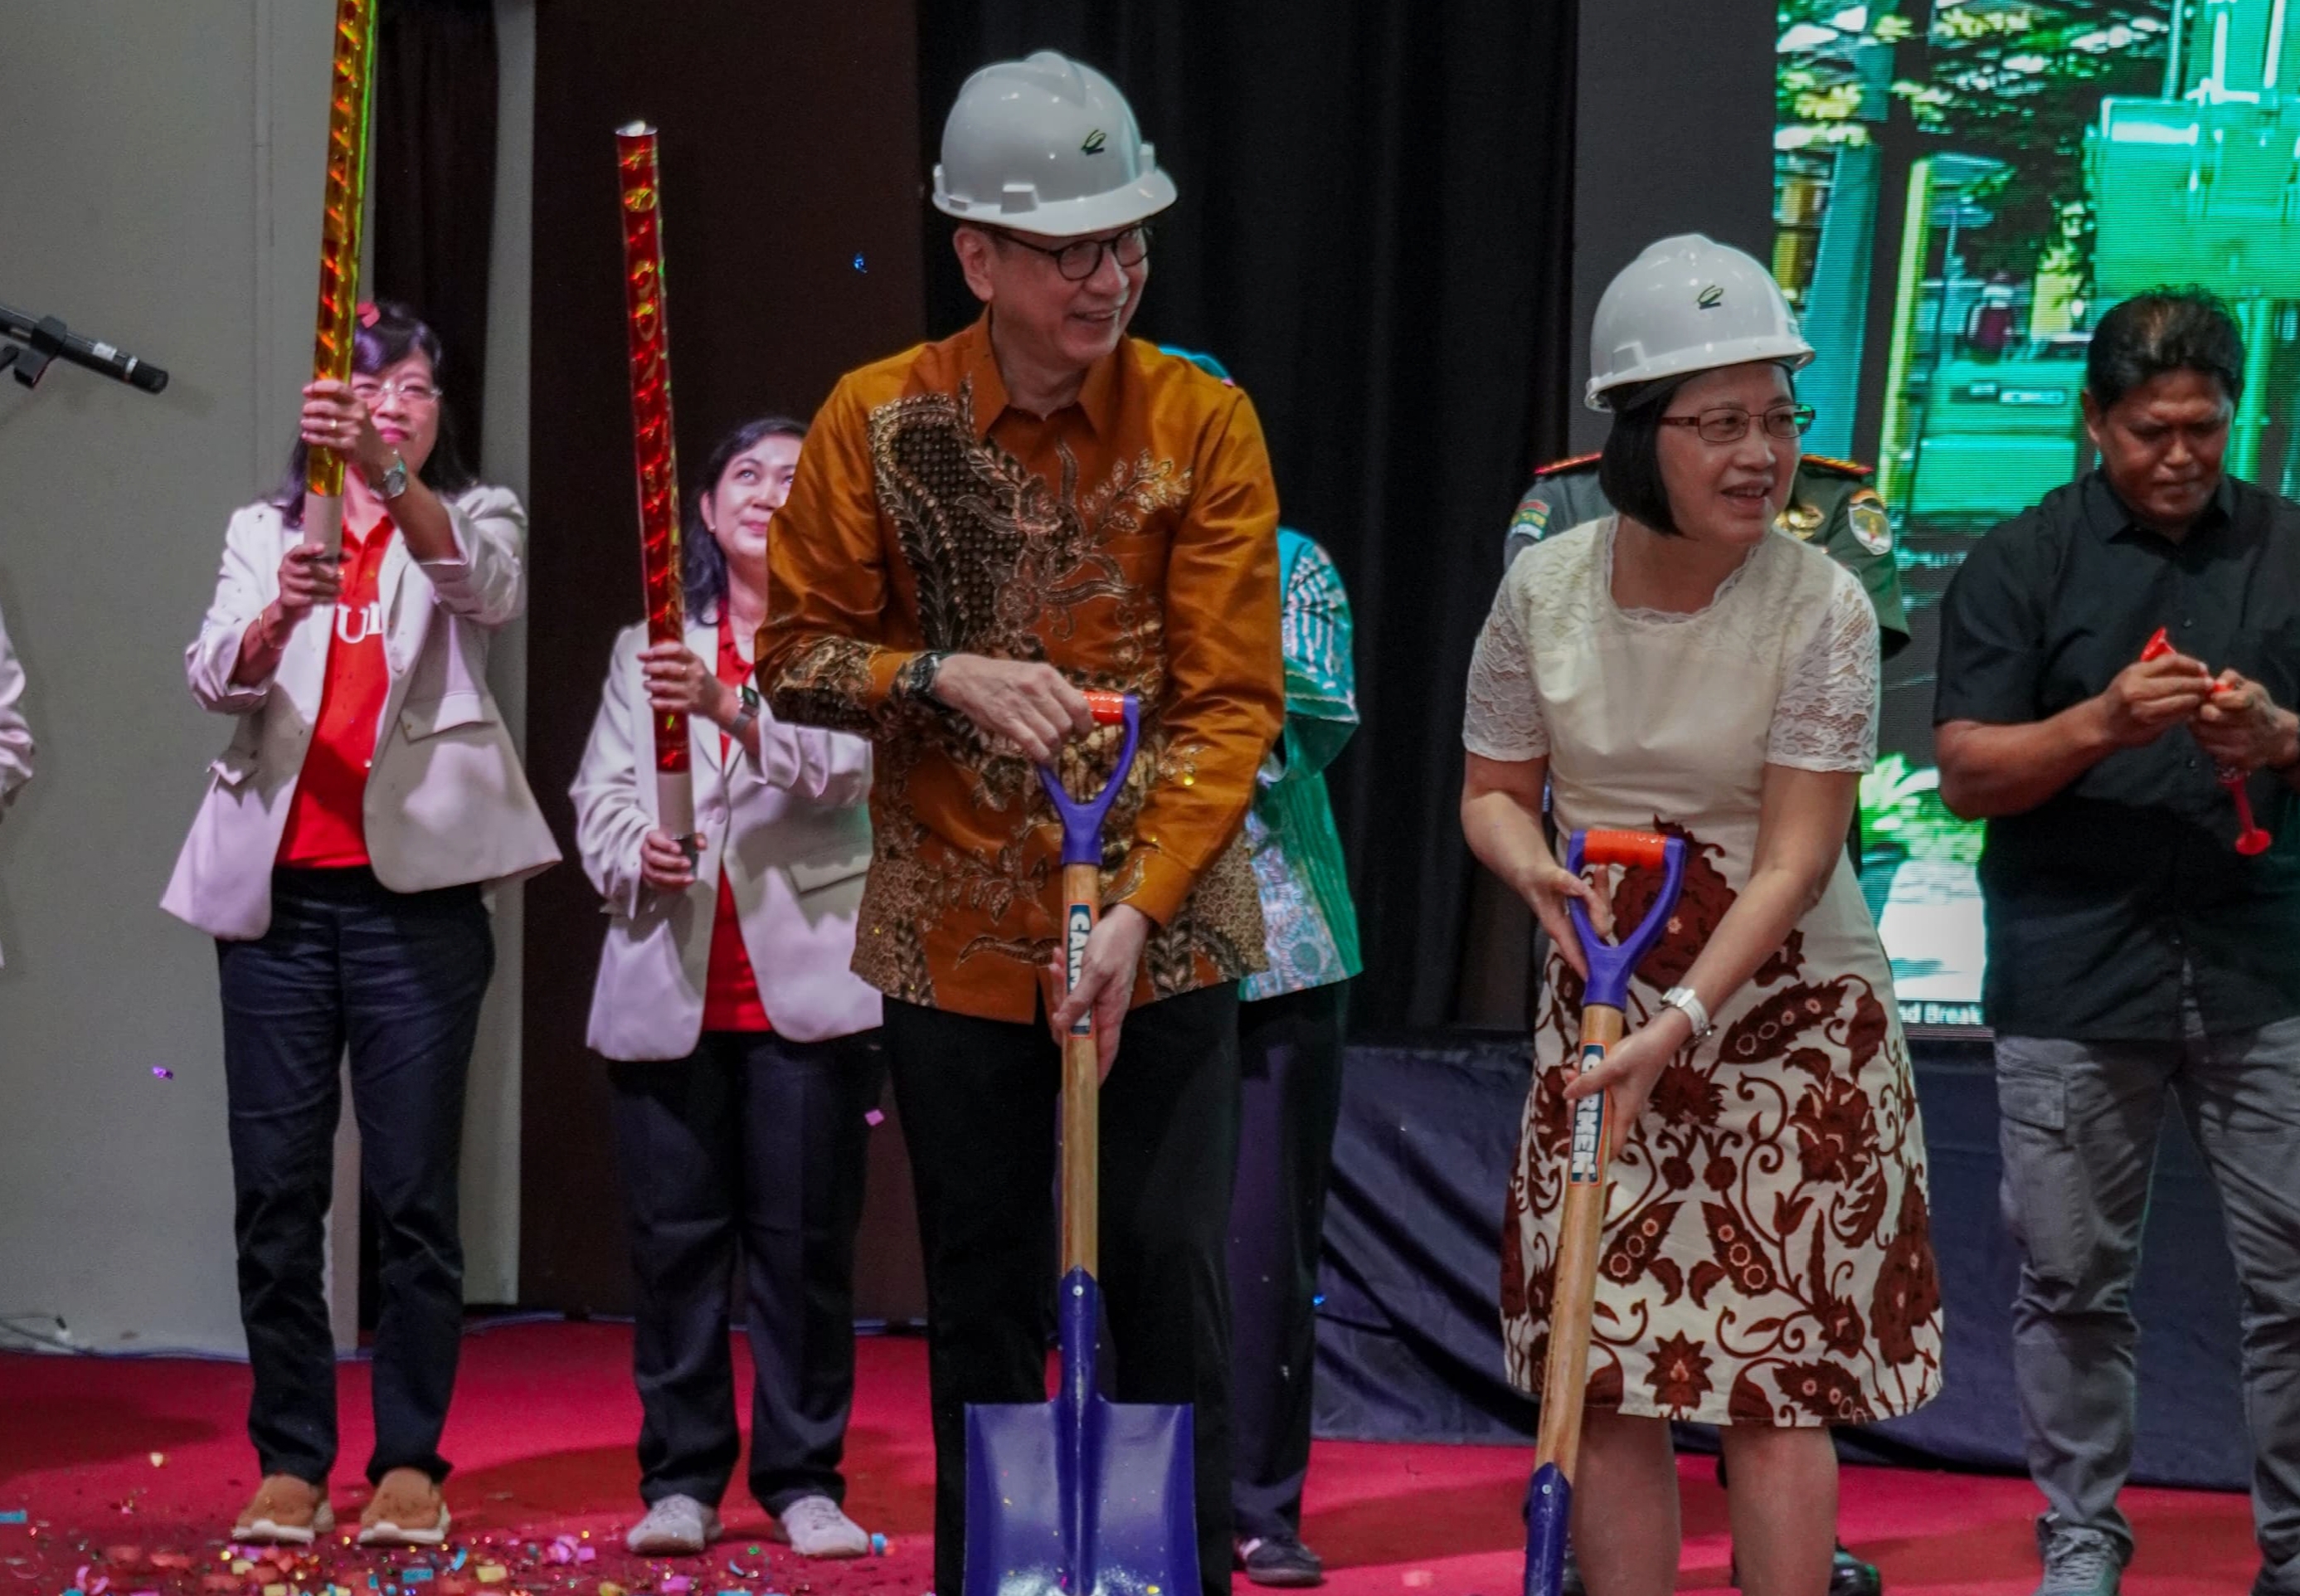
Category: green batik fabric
[1312,927]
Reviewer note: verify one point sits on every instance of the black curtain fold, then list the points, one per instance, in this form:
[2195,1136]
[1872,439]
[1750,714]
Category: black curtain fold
[1375,236]
[432,170]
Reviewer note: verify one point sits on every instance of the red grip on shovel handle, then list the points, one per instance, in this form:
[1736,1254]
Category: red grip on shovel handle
[1649,848]
[1109,708]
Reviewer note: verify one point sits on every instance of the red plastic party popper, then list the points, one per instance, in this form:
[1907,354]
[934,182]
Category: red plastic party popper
[1080,1496]
[657,458]
[350,97]
[2251,841]
[1580,1227]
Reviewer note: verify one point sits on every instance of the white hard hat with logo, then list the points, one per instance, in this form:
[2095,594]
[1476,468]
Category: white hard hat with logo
[1047,146]
[1688,304]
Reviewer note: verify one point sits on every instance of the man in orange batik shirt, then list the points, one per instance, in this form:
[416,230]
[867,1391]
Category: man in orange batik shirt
[979,529]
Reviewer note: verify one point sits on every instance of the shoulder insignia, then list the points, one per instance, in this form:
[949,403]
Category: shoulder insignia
[1531,517]
[1873,528]
[1802,519]
[1575,464]
[1830,465]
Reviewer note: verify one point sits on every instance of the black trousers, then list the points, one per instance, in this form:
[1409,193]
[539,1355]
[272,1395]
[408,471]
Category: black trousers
[753,1143]
[397,978]
[978,1099]
[1290,1059]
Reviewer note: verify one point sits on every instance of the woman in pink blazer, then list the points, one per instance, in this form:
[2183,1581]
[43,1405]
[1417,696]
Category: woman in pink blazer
[368,795]
[742,1052]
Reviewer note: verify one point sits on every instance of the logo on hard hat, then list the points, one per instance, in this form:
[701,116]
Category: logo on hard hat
[1094,143]
[1710,298]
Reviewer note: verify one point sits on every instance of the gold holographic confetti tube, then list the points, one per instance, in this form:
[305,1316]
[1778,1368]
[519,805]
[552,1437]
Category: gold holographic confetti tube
[656,454]
[350,97]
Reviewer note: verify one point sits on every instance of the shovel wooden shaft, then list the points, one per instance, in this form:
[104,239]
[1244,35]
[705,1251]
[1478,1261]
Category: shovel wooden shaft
[1580,1234]
[1081,1082]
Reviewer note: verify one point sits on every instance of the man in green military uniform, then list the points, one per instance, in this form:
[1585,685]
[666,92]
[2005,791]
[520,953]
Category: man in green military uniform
[1832,502]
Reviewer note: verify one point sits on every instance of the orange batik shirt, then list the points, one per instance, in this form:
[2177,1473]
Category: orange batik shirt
[1129,540]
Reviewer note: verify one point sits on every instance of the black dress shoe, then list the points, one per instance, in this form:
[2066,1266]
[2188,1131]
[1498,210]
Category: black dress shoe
[1848,1576]
[1280,1561]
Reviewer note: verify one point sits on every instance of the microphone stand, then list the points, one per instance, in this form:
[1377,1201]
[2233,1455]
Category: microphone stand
[28,347]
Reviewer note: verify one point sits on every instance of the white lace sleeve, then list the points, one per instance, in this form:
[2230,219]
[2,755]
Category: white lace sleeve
[1826,718]
[1504,719]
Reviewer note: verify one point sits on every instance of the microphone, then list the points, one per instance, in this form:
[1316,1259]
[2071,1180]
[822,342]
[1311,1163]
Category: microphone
[45,339]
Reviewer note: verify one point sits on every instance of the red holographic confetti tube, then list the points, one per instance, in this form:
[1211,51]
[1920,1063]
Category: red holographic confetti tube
[653,450]
[350,98]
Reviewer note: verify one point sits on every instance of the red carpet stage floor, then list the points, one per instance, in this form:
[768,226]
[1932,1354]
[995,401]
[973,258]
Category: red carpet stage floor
[130,1471]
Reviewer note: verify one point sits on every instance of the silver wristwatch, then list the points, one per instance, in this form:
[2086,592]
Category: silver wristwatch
[1687,1002]
[395,478]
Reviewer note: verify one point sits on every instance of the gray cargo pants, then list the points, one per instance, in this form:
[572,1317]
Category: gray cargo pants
[2078,1129]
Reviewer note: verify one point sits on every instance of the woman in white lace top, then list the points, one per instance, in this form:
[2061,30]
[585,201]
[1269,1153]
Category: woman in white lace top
[1681,667]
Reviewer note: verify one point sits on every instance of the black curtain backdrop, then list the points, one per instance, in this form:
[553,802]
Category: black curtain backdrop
[1374,237]
[433,172]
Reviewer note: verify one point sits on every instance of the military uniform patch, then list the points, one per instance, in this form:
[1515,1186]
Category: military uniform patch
[1873,529]
[1532,517]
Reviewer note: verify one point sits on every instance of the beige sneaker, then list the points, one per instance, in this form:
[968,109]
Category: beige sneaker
[286,1511]
[406,1510]
[816,1528]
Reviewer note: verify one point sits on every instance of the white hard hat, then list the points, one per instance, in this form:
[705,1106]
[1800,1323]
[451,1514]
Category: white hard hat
[1047,146]
[1688,304]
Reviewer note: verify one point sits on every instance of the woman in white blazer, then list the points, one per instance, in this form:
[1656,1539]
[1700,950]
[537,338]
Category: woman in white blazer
[743,1052]
[15,736]
[368,794]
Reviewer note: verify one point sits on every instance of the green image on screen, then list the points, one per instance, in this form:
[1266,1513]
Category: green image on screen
[1961,190]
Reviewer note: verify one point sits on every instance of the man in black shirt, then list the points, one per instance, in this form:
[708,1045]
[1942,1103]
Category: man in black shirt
[2132,952]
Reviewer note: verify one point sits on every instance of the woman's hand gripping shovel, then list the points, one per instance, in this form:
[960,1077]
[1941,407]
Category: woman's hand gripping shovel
[1079,1496]
[1581,1227]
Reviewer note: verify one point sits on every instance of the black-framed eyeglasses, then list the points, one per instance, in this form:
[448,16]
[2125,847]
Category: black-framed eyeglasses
[1081,258]
[1729,423]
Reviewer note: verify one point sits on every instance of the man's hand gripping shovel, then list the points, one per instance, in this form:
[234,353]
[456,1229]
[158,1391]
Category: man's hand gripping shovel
[1079,1496]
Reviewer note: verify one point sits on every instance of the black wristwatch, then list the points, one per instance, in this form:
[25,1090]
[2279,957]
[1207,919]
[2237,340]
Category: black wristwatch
[917,674]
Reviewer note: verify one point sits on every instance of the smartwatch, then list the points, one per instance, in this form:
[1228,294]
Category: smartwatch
[746,709]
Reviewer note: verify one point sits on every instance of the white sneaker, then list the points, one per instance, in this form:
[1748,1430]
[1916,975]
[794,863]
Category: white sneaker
[676,1527]
[816,1528]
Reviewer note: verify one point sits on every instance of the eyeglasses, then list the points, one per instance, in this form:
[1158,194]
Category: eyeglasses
[1081,259]
[1731,425]
[414,390]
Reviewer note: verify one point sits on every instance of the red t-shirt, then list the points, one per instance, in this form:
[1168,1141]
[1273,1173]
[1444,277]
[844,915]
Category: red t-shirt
[730,993]
[327,826]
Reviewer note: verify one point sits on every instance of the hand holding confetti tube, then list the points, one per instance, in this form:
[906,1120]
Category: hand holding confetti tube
[656,457]
[350,95]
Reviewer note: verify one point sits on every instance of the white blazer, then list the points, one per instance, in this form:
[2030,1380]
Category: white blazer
[446,801]
[793,835]
[15,736]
